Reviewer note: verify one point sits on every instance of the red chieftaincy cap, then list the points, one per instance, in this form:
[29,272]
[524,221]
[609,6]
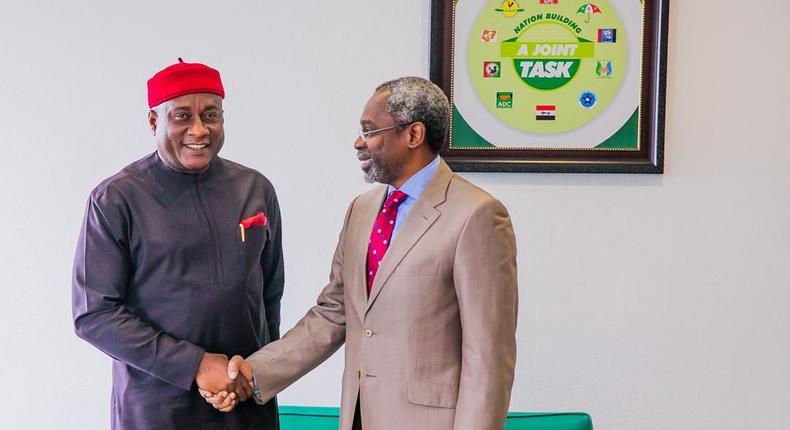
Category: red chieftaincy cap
[183,78]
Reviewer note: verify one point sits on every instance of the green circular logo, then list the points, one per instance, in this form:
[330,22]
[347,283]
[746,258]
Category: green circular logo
[559,62]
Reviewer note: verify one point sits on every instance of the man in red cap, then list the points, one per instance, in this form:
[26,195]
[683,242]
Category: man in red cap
[179,266]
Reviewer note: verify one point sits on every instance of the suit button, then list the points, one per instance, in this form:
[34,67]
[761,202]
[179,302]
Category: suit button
[368,333]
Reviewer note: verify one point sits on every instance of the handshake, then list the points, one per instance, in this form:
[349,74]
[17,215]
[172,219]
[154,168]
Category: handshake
[224,383]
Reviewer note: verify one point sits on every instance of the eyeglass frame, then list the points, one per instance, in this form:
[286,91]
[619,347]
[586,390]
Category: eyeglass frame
[365,135]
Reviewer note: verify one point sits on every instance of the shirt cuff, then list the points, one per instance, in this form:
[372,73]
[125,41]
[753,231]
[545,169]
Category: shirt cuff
[256,391]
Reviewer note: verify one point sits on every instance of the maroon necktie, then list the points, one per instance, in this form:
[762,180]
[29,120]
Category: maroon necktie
[382,233]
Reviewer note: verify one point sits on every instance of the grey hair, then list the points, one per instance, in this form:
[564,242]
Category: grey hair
[413,99]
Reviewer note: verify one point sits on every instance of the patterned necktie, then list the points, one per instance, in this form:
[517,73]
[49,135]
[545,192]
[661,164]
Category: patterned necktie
[382,233]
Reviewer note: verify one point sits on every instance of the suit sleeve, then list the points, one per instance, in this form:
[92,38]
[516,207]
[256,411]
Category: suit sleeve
[273,270]
[311,341]
[485,279]
[102,272]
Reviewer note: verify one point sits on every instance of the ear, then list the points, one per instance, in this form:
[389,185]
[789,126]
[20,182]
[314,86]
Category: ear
[416,135]
[152,119]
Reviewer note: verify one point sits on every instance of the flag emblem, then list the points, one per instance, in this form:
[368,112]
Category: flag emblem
[492,69]
[607,35]
[545,112]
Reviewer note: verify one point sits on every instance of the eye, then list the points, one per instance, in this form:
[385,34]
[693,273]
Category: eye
[211,116]
[181,116]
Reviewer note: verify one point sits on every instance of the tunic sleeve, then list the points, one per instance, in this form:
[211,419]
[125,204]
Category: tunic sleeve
[273,271]
[101,277]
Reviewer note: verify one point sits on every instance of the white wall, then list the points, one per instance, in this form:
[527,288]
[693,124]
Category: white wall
[651,302]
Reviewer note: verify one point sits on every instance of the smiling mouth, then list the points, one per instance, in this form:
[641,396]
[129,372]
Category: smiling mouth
[197,147]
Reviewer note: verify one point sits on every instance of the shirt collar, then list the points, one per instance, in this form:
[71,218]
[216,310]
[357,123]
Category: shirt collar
[416,184]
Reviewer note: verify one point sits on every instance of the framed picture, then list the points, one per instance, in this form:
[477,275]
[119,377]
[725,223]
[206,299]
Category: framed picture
[565,86]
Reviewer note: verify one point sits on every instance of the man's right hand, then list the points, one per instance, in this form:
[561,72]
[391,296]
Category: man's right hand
[212,373]
[244,385]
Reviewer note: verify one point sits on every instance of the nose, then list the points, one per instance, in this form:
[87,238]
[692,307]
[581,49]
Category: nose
[359,143]
[197,128]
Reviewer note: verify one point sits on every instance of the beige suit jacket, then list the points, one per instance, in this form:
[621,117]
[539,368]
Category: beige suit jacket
[434,346]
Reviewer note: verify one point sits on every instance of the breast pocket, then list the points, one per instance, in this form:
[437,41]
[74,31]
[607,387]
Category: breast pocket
[422,269]
[247,256]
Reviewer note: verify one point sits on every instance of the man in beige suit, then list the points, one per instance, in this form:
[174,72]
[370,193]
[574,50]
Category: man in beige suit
[429,322]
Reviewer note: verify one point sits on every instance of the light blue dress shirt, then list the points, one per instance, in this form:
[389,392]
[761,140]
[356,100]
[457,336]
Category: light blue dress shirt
[413,188]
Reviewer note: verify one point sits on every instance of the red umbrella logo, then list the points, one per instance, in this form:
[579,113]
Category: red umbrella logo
[588,9]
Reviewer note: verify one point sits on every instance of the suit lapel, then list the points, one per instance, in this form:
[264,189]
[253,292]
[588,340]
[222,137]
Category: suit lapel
[420,219]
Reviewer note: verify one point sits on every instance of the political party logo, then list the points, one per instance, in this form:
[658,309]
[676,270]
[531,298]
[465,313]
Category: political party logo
[504,100]
[509,8]
[492,69]
[588,99]
[607,35]
[488,35]
[545,112]
[603,68]
[588,9]
[547,1]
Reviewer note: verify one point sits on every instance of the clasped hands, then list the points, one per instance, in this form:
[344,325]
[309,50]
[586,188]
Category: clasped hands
[222,382]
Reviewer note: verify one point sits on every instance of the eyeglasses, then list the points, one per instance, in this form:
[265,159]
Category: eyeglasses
[366,135]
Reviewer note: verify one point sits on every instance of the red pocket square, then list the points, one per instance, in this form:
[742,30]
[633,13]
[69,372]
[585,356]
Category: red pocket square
[257,220]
